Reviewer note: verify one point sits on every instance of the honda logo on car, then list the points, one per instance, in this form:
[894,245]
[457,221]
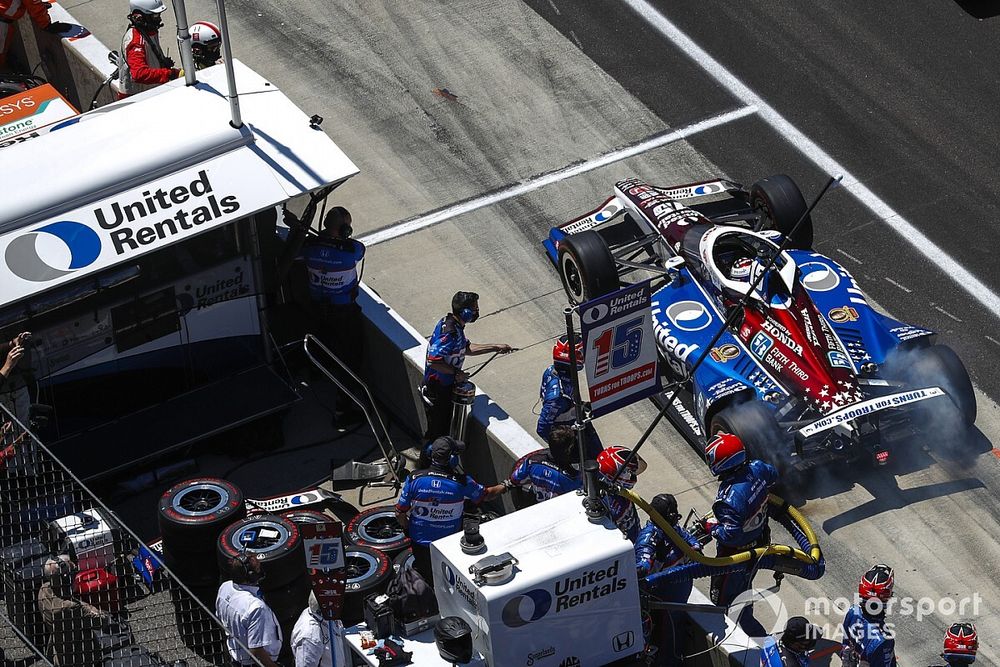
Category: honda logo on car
[868,407]
[781,335]
[570,592]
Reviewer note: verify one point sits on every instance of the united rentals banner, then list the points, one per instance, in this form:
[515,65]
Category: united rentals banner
[619,348]
[130,224]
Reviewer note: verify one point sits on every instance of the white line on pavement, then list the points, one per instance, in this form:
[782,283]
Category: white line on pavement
[532,184]
[742,92]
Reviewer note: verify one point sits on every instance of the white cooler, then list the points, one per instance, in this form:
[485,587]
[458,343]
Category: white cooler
[90,539]
[573,598]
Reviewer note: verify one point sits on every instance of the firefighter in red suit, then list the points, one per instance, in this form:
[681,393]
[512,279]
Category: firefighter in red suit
[12,10]
[143,64]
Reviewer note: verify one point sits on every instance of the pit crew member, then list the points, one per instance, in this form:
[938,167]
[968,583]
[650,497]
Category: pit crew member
[446,352]
[249,621]
[548,473]
[961,643]
[793,647]
[432,500]
[610,463]
[206,44]
[142,64]
[741,520]
[559,399]
[866,640]
[12,10]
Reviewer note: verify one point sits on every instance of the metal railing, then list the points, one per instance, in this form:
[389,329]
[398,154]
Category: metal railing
[372,416]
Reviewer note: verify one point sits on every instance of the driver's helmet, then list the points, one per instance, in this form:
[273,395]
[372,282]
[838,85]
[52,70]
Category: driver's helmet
[561,357]
[960,644]
[206,43]
[612,460]
[741,269]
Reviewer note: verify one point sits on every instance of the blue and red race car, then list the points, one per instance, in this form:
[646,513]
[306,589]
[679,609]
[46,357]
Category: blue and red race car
[807,370]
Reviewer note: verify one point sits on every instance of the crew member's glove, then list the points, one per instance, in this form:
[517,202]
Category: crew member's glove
[180,73]
[708,524]
[57,27]
[507,484]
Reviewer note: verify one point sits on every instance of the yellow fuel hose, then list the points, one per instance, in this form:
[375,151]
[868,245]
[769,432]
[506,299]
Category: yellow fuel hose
[810,558]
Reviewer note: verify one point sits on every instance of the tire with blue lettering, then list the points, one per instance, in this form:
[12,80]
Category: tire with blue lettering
[192,513]
[377,528]
[780,204]
[754,423]
[275,541]
[587,267]
[368,571]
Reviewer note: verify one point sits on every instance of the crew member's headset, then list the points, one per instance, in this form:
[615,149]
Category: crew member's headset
[243,571]
[466,314]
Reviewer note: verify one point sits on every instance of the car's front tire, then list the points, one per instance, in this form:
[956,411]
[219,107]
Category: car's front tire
[587,267]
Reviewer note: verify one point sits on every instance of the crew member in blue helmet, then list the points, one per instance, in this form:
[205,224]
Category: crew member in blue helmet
[548,473]
[446,352]
[741,520]
[867,641]
[432,500]
[559,399]
[793,647]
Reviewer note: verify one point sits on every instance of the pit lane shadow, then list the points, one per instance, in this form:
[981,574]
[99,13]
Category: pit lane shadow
[883,483]
[823,482]
[980,9]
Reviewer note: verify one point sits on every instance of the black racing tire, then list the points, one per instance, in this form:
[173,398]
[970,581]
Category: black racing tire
[377,528]
[754,424]
[276,542]
[781,204]
[938,366]
[403,560]
[193,571]
[192,513]
[288,601]
[945,424]
[368,571]
[587,267]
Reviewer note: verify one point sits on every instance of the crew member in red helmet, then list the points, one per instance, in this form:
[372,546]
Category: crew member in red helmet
[961,642]
[559,399]
[612,464]
[867,641]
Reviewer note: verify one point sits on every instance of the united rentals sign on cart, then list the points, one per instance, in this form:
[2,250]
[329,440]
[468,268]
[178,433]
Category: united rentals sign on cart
[619,348]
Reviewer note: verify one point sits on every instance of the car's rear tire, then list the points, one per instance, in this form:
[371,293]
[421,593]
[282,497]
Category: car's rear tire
[587,267]
[378,528]
[781,204]
[754,424]
[945,423]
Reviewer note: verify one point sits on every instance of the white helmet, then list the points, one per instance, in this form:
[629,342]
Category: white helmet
[204,32]
[147,6]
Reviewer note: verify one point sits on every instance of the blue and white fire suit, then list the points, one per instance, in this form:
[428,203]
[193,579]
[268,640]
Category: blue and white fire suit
[775,655]
[333,269]
[434,500]
[866,642]
[559,409]
[543,477]
[741,511]
[447,345]
[654,552]
[624,514]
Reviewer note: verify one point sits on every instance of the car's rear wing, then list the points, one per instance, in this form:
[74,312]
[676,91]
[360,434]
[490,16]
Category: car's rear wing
[852,412]
[612,208]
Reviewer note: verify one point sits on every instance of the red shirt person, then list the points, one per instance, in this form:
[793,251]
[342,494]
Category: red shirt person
[143,65]
[12,10]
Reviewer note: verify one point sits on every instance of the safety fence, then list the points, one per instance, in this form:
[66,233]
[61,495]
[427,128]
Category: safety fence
[78,586]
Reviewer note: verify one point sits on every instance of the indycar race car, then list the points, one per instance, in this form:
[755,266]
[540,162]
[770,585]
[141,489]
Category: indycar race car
[807,371]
